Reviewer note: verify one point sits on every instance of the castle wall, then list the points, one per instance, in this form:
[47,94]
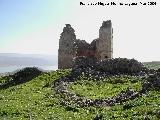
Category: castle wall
[84,48]
[88,53]
[104,44]
[65,60]
[66,51]
[70,47]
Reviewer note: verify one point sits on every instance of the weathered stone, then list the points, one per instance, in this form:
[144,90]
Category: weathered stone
[120,66]
[152,82]
[70,47]
[66,50]
[99,71]
[84,62]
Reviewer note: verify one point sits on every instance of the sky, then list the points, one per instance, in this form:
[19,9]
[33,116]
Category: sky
[34,26]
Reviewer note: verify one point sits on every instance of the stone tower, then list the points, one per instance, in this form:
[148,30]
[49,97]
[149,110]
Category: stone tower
[70,47]
[104,44]
[66,51]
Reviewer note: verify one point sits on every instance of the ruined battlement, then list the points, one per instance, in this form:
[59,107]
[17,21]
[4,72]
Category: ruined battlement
[106,24]
[68,29]
[70,47]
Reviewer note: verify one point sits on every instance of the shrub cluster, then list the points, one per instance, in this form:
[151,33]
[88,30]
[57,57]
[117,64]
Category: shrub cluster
[22,76]
[26,73]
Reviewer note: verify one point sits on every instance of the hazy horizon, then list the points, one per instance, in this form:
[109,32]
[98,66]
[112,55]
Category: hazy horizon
[34,26]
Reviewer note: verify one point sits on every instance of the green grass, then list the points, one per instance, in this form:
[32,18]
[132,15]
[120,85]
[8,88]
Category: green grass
[4,79]
[152,65]
[36,100]
[108,87]
[138,109]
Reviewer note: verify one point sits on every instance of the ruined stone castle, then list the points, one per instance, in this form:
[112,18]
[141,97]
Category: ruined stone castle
[71,47]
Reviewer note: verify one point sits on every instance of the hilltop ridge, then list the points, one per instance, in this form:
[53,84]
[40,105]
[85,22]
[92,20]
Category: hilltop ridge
[53,95]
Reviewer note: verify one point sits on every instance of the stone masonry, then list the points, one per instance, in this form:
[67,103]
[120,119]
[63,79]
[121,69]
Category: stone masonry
[70,47]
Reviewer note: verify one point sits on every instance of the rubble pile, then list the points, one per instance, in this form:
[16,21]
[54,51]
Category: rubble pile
[152,82]
[99,70]
[84,62]
[120,66]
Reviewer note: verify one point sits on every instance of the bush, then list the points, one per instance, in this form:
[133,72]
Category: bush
[26,73]
[21,76]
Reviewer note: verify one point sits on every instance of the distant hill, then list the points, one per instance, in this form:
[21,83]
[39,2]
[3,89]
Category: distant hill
[14,59]
[152,65]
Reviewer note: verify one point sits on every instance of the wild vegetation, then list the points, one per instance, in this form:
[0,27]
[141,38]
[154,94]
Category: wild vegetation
[37,99]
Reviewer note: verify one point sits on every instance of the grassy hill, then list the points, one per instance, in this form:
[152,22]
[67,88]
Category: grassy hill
[37,100]
[152,65]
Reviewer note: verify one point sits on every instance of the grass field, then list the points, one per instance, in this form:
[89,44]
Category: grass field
[36,100]
[108,87]
[152,65]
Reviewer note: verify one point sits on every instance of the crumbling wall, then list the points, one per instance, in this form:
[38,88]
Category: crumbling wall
[85,49]
[70,47]
[104,43]
[66,51]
